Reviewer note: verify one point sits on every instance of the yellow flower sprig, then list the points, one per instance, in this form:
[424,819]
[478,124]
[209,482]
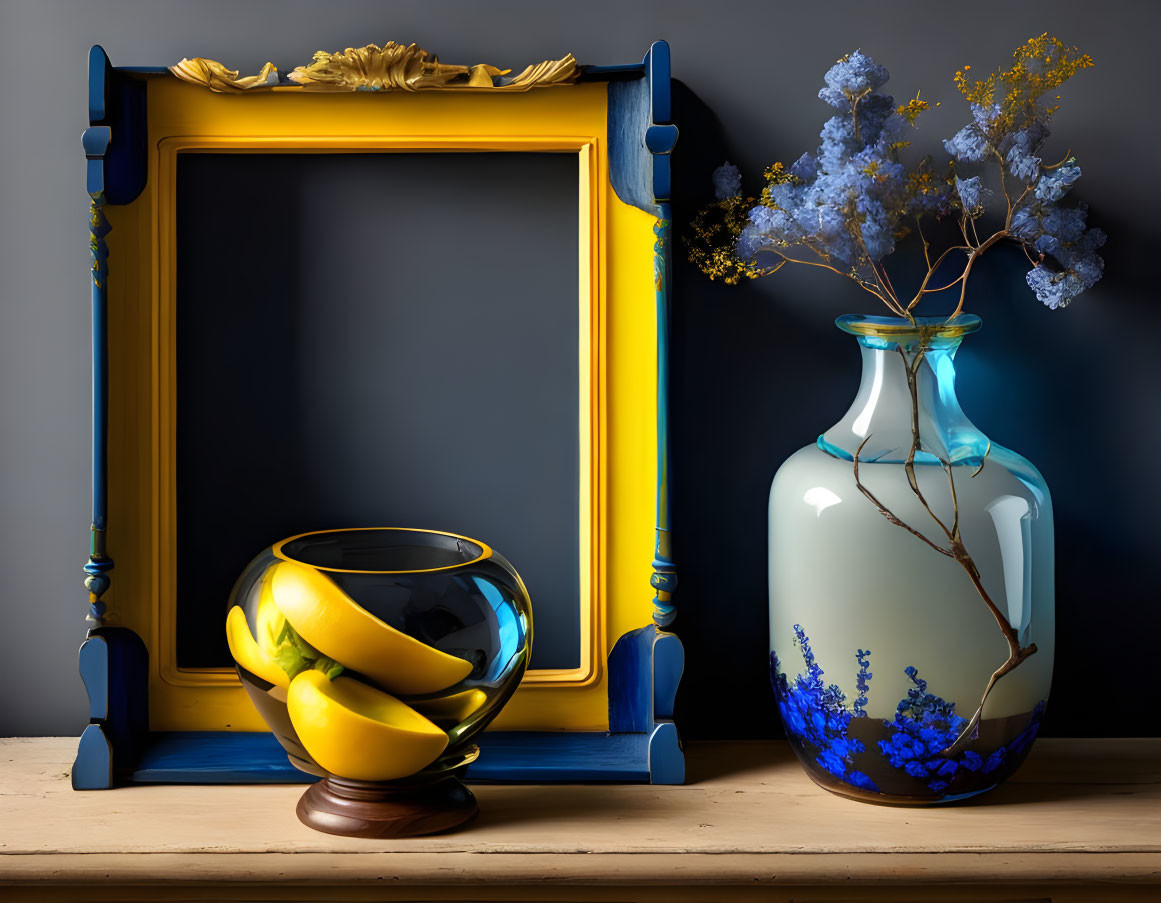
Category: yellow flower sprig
[713,240]
[911,110]
[1040,65]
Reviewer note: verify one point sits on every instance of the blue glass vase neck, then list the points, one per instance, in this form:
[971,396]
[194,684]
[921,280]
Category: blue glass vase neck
[880,418]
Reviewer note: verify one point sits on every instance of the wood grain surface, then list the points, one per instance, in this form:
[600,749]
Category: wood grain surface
[1080,821]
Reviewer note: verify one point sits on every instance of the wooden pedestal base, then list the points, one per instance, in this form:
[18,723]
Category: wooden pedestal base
[370,809]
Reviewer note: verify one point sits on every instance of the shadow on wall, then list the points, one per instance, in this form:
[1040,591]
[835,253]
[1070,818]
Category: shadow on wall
[759,371]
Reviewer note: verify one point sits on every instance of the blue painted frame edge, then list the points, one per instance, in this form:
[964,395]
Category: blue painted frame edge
[645,665]
[227,757]
[641,746]
[112,660]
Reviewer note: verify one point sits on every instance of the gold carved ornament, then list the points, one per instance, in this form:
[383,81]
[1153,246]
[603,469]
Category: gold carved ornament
[392,67]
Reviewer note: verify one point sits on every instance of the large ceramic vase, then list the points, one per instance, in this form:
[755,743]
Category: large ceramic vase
[900,594]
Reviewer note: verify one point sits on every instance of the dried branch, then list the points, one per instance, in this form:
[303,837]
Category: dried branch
[1004,185]
[963,230]
[1016,653]
[826,266]
[983,460]
[923,289]
[943,288]
[882,278]
[954,501]
[887,512]
[926,246]
[882,271]
[1003,233]
[912,368]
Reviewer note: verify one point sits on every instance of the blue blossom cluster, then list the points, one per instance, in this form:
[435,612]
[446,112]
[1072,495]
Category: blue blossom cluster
[925,725]
[727,181]
[970,144]
[852,77]
[972,195]
[817,715]
[1038,220]
[848,202]
[862,681]
[1060,233]
[845,200]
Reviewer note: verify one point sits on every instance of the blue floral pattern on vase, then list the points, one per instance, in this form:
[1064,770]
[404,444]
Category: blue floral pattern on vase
[925,725]
[817,714]
[820,723]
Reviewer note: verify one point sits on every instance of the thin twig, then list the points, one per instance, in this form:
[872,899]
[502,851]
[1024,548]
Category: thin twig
[882,270]
[1004,184]
[943,288]
[894,307]
[954,501]
[887,512]
[1003,233]
[810,263]
[923,238]
[963,230]
[881,278]
[932,269]
[1015,205]
[1016,653]
[909,463]
[983,460]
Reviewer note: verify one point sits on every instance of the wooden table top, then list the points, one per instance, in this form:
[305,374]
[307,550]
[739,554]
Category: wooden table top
[1081,817]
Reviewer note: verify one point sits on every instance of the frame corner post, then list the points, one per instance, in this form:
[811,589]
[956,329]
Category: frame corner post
[668,666]
[113,663]
[93,766]
[631,682]
[99,67]
[666,759]
[95,141]
[645,669]
[664,577]
[659,139]
[112,660]
[666,656]
[645,665]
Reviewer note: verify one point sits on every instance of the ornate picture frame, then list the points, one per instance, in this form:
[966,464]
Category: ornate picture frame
[608,719]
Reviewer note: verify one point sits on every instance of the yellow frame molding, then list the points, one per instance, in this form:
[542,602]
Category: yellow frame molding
[618,382]
[166,401]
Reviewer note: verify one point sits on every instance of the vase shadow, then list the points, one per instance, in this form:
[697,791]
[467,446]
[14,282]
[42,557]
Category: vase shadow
[1058,770]
[763,760]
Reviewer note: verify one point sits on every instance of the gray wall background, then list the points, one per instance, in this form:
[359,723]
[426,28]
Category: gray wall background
[404,373]
[758,370]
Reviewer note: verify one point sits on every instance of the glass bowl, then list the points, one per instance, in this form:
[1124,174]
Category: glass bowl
[417,634]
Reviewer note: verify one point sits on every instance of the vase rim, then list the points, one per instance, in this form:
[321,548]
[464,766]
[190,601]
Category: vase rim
[426,538]
[896,327]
